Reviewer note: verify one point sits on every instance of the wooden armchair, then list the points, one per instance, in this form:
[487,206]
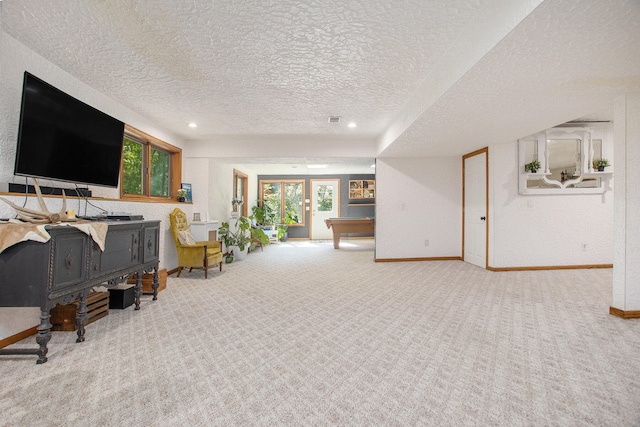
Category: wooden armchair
[192,254]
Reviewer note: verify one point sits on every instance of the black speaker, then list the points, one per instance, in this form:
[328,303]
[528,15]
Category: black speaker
[121,296]
[50,191]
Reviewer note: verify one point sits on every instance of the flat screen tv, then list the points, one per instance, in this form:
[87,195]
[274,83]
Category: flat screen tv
[62,138]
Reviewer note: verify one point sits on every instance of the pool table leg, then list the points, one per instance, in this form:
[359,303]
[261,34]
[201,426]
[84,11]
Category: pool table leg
[336,240]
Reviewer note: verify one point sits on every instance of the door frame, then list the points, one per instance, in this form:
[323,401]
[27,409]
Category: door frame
[241,176]
[312,201]
[486,201]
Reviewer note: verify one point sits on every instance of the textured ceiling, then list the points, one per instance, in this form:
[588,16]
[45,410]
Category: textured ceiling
[259,67]
[565,61]
[437,77]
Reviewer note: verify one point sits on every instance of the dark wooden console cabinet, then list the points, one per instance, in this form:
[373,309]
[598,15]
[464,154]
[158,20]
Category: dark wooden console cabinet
[34,274]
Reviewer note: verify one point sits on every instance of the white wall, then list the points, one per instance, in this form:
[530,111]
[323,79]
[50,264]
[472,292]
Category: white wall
[416,200]
[212,180]
[15,59]
[285,146]
[221,189]
[626,270]
[420,199]
[212,183]
[196,172]
[543,230]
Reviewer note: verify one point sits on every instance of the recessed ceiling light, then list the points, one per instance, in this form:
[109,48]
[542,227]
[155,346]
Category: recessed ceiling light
[352,125]
[316,166]
[193,125]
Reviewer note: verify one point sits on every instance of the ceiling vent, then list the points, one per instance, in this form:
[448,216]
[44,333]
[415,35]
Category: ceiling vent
[334,119]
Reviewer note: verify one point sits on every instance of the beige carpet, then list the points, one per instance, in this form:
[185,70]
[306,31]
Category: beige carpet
[305,335]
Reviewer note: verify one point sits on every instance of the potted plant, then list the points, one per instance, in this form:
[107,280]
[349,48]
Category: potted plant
[258,236]
[236,203]
[532,167]
[291,218]
[227,236]
[236,239]
[182,195]
[263,215]
[239,240]
[601,164]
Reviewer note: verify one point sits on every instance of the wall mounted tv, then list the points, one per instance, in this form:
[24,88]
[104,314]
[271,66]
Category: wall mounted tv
[64,139]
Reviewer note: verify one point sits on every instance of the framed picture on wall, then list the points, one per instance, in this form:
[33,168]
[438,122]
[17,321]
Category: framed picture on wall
[187,188]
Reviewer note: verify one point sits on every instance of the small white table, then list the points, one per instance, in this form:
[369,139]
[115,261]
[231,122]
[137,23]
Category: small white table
[273,234]
[205,230]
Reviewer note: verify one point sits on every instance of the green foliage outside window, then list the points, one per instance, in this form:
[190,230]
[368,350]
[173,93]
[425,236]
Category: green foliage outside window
[285,199]
[325,198]
[293,202]
[160,161]
[132,167]
[272,198]
[133,170]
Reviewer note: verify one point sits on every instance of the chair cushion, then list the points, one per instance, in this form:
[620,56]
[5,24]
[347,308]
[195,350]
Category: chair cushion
[213,251]
[186,238]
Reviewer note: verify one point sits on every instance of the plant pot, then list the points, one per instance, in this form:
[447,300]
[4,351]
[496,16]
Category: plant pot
[181,199]
[240,255]
[601,169]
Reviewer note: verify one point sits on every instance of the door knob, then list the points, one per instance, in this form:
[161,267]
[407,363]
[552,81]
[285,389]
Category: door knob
[483,218]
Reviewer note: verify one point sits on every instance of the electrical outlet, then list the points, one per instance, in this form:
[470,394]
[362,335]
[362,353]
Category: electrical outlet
[426,242]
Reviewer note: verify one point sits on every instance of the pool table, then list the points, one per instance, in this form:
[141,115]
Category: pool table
[349,225]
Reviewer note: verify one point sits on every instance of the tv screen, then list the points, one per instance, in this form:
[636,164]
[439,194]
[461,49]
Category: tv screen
[64,139]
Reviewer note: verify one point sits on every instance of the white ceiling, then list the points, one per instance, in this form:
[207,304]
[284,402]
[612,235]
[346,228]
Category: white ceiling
[303,166]
[420,78]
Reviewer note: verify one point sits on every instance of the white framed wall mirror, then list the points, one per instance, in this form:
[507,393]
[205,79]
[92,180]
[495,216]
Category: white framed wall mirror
[560,161]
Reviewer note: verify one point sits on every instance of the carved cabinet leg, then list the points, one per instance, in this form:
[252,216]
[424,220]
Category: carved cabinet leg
[43,337]
[137,291]
[155,283]
[81,317]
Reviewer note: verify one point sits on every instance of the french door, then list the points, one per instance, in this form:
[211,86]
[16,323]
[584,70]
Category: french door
[325,203]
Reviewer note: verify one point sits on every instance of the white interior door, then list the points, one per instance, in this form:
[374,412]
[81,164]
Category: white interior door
[325,203]
[475,209]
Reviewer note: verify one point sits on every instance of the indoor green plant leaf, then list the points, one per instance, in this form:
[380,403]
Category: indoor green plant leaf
[601,164]
[532,167]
